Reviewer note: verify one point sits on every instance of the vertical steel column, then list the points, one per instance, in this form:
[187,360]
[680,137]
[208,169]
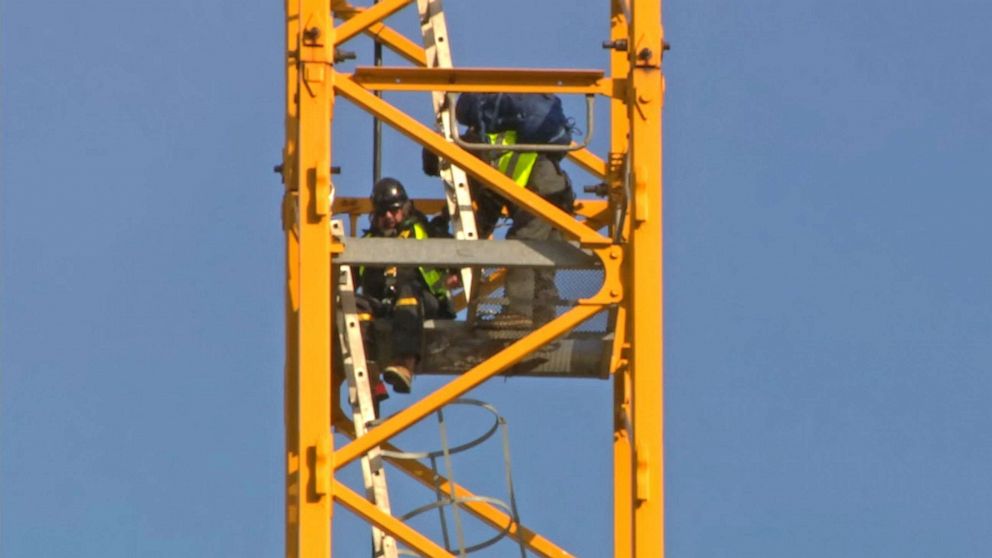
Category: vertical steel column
[306,172]
[292,287]
[645,275]
[623,453]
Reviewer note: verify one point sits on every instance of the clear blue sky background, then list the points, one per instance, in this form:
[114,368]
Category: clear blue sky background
[828,306]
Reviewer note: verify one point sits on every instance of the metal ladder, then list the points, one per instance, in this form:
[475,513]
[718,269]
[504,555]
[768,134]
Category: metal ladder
[360,397]
[437,50]
[459,200]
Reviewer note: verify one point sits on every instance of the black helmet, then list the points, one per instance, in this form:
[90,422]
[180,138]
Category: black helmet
[388,193]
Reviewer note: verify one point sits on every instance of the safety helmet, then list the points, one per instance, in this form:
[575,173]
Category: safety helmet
[388,193]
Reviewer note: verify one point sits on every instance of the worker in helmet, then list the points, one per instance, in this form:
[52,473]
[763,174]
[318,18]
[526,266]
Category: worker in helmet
[404,295]
[531,293]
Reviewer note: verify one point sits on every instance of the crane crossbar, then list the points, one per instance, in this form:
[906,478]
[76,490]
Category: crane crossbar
[589,82]
[449,252]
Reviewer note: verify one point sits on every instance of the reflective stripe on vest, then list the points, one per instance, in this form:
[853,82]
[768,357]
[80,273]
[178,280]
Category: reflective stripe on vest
[515,164]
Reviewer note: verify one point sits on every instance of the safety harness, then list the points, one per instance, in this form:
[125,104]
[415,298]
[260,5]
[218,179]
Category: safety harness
[431,276]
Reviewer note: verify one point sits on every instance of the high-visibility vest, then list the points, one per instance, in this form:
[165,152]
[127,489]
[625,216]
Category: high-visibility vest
[433,277]
[515,164]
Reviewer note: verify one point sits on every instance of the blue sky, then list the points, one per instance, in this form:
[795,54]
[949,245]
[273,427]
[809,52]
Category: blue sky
[828,308]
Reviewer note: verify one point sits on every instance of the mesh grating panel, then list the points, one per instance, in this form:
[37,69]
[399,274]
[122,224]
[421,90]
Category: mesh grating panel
[571,286]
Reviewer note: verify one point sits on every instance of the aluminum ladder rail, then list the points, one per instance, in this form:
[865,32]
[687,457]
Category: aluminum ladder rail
[360,397]
[437,51]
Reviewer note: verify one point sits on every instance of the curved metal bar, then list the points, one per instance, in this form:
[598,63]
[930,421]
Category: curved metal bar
[449,469]
[457,449]
[538,147]
[447,502]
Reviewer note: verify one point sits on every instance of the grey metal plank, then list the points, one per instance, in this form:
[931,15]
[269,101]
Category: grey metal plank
[446,252]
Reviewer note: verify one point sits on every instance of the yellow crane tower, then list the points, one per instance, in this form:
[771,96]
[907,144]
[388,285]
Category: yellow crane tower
[621,234]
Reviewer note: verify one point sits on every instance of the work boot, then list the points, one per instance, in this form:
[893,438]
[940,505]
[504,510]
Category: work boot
[507,320]
[399,374]
[379,392]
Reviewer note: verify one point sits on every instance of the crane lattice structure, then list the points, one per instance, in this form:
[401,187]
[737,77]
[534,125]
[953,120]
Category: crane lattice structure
[621,234]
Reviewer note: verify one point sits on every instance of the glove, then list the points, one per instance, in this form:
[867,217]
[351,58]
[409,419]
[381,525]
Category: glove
[430,163]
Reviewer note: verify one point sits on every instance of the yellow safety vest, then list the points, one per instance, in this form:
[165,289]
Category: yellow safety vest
[431,276]
[515,164]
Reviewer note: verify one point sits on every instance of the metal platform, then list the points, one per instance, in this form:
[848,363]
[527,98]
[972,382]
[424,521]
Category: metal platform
[454,346]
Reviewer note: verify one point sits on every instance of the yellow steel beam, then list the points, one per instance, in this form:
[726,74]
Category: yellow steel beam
[365,509]
[306,172]
[646,274]
[590,209]
[506,80]
[399,44]
[342,9]
[623,467]
[363,206]
[291,377]
[486,512]
[623,450]
[472,165]
[590,162]
[459,386]
[367,17]
[291,292]
[596,212]
[383,33]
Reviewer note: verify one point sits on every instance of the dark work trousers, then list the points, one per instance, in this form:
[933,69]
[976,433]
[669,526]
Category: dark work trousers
[405,306]
[532,292]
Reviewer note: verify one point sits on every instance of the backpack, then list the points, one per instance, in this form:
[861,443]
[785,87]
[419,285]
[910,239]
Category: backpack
[536,117]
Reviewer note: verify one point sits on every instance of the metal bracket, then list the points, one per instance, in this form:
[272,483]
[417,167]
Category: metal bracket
[642,479]
[612,290]
[320,179]
[322,465]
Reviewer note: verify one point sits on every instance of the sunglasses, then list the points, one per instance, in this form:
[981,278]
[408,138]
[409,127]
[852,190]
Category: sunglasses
[384,210]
